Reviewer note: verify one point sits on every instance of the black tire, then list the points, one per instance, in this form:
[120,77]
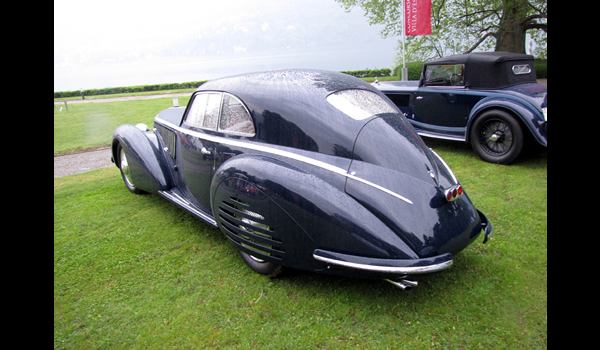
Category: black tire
[497,137]
[260,266]
[125,173]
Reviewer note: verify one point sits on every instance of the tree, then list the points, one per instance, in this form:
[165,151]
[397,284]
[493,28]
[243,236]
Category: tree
[462,26]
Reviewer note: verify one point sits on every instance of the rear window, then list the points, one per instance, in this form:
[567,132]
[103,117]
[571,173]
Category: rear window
[359,104]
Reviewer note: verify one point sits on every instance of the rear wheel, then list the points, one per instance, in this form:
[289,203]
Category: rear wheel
[261,266]
[497,137]
[126,172]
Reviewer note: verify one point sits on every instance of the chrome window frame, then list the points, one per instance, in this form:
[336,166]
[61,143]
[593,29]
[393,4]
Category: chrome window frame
[217,128]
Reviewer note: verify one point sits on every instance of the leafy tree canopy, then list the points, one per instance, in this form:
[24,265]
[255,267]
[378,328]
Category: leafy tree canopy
[462,26]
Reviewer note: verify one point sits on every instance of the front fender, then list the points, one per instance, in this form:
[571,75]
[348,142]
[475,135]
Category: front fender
[149,170]
[528,114]
[315,213]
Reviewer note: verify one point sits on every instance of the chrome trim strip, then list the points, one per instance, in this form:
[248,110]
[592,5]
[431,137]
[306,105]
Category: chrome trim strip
[282,153]
[388,269]
[438,136]
[175,198]
[446,165]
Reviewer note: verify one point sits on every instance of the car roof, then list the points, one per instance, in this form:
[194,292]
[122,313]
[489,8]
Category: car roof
[480,57]
[290,106]
[490,70]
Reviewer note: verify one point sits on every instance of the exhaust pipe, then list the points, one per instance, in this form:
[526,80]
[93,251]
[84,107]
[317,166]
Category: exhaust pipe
[404,284]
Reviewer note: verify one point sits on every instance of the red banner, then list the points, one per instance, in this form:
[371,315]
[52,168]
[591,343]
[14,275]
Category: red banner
[417,17]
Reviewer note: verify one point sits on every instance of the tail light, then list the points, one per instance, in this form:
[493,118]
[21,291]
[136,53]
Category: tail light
[453,192]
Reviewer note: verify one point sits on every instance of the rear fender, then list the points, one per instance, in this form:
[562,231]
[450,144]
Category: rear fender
[303,212]
[149,170]
[527,114]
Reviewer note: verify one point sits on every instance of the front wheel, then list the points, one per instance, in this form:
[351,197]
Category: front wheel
[497,137]
[126,172]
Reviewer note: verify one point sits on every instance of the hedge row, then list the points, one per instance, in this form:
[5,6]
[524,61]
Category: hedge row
[127,89]
[369,73]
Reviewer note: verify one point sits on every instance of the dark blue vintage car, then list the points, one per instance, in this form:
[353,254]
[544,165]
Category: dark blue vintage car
[312,170]
[491,100]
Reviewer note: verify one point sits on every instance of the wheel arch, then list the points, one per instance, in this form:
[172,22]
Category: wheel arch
[148,167]
[318,214]
[524,114]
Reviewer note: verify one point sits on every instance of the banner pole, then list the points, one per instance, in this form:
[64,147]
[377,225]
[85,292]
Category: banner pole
[404,70]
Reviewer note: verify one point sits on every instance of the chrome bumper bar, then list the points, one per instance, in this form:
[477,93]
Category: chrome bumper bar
[395,266]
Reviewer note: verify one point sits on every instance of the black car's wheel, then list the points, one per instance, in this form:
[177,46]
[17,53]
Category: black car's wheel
[497,137]
[261,266]
[125,172]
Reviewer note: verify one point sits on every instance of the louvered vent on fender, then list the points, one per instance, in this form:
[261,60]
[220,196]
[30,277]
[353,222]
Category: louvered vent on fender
[169,139]
[248,228]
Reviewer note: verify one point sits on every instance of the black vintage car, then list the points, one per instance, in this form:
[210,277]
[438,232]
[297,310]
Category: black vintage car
[490,99]
[306,169]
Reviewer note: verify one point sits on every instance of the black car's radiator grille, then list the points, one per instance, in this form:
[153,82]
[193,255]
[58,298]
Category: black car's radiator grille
[169,139]
[249,229]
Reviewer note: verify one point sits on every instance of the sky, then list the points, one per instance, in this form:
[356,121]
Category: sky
[129,42]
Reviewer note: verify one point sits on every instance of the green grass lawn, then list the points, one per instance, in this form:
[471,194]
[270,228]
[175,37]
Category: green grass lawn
[86,126]
[137,272]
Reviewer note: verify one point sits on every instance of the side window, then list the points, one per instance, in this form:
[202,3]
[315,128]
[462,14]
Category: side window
[445,75]
[211,116]
[234,117]
[196,114]
[204,111]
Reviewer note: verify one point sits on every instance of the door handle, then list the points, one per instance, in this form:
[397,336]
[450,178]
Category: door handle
[419,97]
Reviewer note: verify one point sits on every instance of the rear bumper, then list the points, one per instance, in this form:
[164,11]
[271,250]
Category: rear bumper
[387,266]
[396,266]
[486,225]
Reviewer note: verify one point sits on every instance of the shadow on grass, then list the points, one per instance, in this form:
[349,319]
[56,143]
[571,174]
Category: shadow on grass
[533,153]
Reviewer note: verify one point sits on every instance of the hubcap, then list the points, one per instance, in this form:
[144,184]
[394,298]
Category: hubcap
[257,259]
[496,138]
[125,168]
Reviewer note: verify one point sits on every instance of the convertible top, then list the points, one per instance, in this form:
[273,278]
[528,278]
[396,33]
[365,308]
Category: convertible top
[491,70]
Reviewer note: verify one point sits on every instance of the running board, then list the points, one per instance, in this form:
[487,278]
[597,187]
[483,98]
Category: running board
[435,135]
[174,196]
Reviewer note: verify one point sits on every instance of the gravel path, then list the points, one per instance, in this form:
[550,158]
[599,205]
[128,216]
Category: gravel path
[81,162]
[125,98]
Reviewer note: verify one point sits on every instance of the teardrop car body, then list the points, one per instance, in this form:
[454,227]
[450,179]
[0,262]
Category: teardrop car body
[306,169]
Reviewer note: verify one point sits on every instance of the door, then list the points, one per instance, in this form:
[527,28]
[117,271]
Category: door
[197,154]
[440,107]
[211,119]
